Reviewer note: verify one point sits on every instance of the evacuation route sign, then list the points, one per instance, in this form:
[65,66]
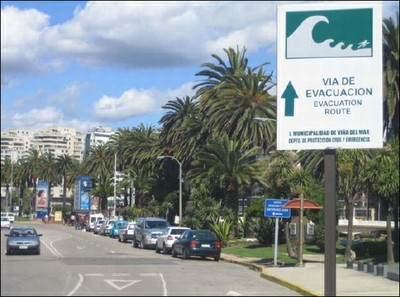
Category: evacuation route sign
[329,66]
[273,209]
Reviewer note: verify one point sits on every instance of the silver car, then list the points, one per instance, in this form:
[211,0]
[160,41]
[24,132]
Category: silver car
[168,237]
[23,239]
[147,231]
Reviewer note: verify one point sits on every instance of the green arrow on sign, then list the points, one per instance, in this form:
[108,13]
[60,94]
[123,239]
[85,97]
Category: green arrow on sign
[289,94]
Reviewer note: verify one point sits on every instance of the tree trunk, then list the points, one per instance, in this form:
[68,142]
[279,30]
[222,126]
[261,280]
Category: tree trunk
[389,242]
[396,230]
[289,247]
[347,254]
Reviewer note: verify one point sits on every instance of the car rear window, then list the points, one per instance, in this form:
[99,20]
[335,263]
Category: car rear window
[156,224]
[177,231]
[203,235]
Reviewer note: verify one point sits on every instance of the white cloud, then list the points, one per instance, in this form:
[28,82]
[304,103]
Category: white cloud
[133,102]
[35,118]
[20,35]
[138,34]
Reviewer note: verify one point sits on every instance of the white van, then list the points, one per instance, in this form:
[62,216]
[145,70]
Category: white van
[10,215]
[93,219]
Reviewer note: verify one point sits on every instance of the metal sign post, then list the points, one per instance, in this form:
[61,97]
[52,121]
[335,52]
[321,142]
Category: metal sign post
[273,209]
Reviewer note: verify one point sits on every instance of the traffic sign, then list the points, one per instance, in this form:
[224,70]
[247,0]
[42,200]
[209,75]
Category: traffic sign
[273,209]
[329,88]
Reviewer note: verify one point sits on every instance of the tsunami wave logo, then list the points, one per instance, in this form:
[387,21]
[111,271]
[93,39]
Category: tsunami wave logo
[329,34]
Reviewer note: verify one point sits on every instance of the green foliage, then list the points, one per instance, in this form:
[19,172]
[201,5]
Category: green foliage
[202,211]
[264,230]
[369,248]
[256,209]
[130,213]
[222,230]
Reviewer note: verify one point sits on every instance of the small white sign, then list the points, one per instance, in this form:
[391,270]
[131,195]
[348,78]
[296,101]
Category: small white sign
[329,66]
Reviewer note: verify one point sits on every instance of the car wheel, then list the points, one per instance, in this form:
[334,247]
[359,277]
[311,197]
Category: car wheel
[186,254]
[8,252]
[217,257]
[158,249]
[173,253]
[135,244]
[119,239]
[142,245]
[38,252]
[164,250]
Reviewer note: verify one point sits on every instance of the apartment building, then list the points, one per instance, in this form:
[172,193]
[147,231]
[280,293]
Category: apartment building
[16,143]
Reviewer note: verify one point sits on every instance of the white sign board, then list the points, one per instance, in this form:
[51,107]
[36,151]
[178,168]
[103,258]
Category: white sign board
[329,66]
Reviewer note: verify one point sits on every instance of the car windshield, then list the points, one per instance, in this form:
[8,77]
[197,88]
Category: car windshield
[156,224]
[22,232]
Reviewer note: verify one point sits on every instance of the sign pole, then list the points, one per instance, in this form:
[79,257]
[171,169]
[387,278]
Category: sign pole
[276,242]
[330,222]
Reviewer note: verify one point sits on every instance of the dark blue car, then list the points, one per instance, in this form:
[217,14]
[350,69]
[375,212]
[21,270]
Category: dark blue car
[201,243]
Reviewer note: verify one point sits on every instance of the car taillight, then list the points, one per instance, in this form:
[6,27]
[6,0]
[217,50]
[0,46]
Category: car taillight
[170,237]
[193,244]
[218,244]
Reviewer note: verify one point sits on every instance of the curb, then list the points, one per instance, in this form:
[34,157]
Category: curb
[264,274]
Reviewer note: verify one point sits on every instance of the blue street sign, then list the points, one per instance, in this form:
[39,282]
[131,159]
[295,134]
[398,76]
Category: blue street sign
[273,209]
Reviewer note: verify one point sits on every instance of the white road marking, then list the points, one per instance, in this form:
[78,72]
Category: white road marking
[164,284]
[112,282]
[233,293]
[77,285]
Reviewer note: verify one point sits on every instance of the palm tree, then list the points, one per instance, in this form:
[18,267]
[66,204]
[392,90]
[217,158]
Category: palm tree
[233,95]
[50,174]
[181,133]
[100,164]
[32,165]
[351,164]
[391,75]
[63,164]
[230,163]
[382,174]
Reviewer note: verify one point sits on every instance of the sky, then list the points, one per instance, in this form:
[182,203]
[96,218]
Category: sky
[81,65]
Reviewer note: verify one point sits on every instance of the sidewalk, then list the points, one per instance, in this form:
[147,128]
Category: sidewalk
[309,280]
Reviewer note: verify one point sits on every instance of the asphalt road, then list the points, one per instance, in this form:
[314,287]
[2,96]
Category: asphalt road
[77,263]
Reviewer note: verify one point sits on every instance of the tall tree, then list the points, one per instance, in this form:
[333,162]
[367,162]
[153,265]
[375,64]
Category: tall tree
[64,163]
[391,75]
[231,164]
[382,174]
[232,95]
[351,164]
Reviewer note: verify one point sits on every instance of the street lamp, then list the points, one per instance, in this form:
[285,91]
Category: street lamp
[115,181]
[180,184]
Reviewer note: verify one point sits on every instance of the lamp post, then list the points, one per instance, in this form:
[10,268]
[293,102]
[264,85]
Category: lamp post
[180,184]
[115,181]
[8,206]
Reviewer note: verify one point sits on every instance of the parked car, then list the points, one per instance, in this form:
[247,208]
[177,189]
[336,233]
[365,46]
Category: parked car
[97,227]
[23,239]
[147,231]
[93,219]
[168,237]
[103,227]
[109,226]
[202,243]
[5,222]
[127,233]
[118,225]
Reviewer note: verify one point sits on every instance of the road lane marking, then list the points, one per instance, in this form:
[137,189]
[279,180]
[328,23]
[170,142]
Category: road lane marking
[80,281]
[128,283]
[164,284]
[233,293]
